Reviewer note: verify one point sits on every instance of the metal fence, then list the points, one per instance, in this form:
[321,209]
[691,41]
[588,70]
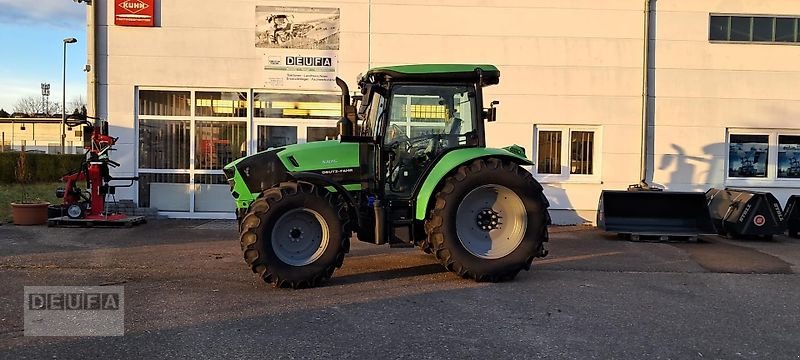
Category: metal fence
[42,147]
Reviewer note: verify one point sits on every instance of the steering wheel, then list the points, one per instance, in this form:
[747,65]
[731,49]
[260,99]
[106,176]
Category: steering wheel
[419,145]
[409,142]
[396,134]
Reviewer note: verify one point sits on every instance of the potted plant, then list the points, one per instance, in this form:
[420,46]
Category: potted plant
[27,211]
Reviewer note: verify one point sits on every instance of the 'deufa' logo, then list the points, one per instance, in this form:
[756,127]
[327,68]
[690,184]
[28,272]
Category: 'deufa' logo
[308,61]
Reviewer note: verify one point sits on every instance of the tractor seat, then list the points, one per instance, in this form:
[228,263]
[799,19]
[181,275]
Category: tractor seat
[453,130]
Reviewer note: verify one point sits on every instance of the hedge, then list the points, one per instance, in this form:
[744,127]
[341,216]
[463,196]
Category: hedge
[42,167]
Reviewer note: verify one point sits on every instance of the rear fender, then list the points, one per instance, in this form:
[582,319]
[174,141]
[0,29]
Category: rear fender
[452,161]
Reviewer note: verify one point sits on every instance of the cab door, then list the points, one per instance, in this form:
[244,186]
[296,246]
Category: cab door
[422,123]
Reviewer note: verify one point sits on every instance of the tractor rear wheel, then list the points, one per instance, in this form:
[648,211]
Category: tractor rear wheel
[295,235]
[489,221]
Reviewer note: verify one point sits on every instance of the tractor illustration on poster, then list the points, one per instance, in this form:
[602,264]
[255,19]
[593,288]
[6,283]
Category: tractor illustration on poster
[311,28]
[281,28]
[284,29]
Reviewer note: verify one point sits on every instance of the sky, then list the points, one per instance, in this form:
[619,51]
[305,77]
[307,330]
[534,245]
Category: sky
[31,34]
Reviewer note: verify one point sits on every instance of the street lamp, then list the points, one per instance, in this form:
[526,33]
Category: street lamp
[64,92]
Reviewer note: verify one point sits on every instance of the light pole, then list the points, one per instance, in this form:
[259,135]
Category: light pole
[45,95]
[64,92]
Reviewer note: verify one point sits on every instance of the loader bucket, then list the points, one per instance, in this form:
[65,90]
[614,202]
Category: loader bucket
[664,213]
[745,213]
[792,215]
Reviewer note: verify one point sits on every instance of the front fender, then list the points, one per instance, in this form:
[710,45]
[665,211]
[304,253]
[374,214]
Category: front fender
[327,182]
[453,160]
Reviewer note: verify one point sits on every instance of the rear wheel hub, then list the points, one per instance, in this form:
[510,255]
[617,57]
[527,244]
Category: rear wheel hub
[491,221]
[488,220]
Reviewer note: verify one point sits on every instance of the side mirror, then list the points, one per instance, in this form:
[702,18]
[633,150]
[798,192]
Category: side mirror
[366,97]
[490,114]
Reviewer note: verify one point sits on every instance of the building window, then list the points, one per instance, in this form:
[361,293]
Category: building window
[221,104]
[741,28]
[748,156]
[559,159]
[271,136]
[302,106]
[164,103]
[761,29]
[763,155]
[786,30]
[582,152]
[218,143]
[164,144]
[720,28]
[789,156]
[549,159]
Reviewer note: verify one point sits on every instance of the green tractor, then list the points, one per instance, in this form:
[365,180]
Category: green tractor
[410,168]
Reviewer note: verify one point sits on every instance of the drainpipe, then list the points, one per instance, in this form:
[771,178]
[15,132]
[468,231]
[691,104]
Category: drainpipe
[645,96]
[369,35]
[91,47]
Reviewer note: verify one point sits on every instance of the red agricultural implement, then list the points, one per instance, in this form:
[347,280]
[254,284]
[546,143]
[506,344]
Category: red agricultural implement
[87,207]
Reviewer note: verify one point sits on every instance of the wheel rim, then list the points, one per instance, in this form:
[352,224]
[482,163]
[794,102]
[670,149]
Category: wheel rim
[491,221]
[74,211]
[300,237]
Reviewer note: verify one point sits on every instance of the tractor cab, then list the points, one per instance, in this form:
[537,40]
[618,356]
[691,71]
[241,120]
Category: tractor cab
[414,114]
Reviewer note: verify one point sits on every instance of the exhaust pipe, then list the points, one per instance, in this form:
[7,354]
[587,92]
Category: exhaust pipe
[345,124]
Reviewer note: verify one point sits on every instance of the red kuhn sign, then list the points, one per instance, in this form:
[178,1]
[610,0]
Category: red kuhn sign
[134,12]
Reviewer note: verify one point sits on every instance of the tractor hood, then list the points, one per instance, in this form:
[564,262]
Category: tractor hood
[319,156]
[268,168]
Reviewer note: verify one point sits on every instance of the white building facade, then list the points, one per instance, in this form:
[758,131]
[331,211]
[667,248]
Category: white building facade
[212,81]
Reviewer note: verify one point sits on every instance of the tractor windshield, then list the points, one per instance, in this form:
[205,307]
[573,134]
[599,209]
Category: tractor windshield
[444,112]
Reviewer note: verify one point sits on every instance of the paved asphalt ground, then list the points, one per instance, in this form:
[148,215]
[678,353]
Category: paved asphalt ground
[188,294]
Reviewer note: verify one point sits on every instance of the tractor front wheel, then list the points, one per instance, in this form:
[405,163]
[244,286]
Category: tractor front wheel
[295,235]
[489,221]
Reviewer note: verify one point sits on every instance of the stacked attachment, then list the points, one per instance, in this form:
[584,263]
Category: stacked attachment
[744,213]
[792,215]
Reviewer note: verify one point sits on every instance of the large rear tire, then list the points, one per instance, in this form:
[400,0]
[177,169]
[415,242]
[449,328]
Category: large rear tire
[295,235]
[489,221]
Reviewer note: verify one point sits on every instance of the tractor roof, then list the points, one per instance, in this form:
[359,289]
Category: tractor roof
[436,72]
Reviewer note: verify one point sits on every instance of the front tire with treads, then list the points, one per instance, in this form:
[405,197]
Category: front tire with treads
[489,220]
[295,235]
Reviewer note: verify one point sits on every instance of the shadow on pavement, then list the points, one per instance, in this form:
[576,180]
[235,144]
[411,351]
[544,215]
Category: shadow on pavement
[418,270]
[717,256]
